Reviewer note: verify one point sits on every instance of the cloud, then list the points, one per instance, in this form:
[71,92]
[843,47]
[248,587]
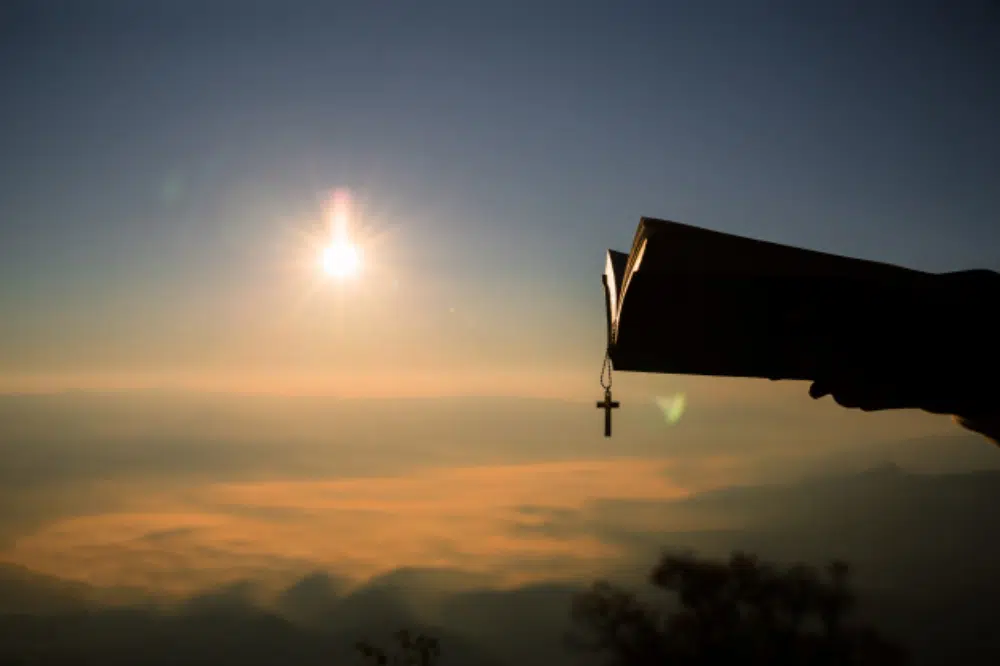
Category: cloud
[917,542]
[314,621]
[461,517]
[177,493]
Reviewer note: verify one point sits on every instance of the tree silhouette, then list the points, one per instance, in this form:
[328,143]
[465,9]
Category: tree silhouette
[419,650]
[726,612]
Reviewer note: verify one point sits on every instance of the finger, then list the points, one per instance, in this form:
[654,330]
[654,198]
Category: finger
[846,400]
[862,395]
[848,395]
[818,389]
[870,397]
[843,397]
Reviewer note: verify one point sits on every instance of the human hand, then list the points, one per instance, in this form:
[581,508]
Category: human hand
[875,396]
[941,358]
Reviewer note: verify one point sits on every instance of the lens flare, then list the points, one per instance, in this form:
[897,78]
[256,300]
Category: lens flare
[672,407]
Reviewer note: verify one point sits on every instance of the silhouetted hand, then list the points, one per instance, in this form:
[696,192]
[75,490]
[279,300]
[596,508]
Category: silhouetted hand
[941,357]
[869,394]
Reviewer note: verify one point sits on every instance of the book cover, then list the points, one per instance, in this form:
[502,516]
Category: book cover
[688,300]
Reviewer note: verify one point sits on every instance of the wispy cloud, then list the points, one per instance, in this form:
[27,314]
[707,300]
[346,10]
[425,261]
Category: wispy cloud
[173,493]
[460,517]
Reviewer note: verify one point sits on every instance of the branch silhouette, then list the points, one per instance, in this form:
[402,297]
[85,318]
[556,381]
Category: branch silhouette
[726,612]
[412,650]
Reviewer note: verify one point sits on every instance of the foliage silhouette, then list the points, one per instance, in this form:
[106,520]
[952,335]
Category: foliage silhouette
[418,650]
[741,611]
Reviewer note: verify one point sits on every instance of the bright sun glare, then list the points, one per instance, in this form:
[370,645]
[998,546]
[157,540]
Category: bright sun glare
[341,259]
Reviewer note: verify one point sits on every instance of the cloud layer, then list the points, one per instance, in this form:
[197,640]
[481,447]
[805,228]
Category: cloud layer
[176,493]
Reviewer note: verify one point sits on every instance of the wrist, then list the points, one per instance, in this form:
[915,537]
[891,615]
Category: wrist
[987,425]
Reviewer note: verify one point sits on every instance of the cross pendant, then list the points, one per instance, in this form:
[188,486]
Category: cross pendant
[607,405]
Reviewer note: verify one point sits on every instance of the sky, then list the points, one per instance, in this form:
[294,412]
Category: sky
[162,163]
[185,394]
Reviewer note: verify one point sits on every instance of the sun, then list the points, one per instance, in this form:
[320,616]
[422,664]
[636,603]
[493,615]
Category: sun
[341,259]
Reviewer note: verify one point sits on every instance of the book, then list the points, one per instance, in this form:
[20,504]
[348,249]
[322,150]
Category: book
[688,300]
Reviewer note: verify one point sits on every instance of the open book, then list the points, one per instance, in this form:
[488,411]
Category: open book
[688,300]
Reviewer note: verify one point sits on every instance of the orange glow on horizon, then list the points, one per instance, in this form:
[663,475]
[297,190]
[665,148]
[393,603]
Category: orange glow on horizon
[403,384]
[463,518]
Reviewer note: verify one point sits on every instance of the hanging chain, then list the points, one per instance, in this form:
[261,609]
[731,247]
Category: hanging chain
[606,372]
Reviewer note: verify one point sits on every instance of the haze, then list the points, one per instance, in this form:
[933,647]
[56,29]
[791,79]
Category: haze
[191,409]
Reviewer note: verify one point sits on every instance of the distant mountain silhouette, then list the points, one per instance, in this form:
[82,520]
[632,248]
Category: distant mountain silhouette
[25,591]
[537,615]
[923,549]
[309,601]
[955,452]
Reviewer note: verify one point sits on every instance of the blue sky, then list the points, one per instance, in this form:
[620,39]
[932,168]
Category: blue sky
[155,153]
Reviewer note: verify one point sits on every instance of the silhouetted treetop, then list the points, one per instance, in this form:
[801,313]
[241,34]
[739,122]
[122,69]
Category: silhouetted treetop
[737,611]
